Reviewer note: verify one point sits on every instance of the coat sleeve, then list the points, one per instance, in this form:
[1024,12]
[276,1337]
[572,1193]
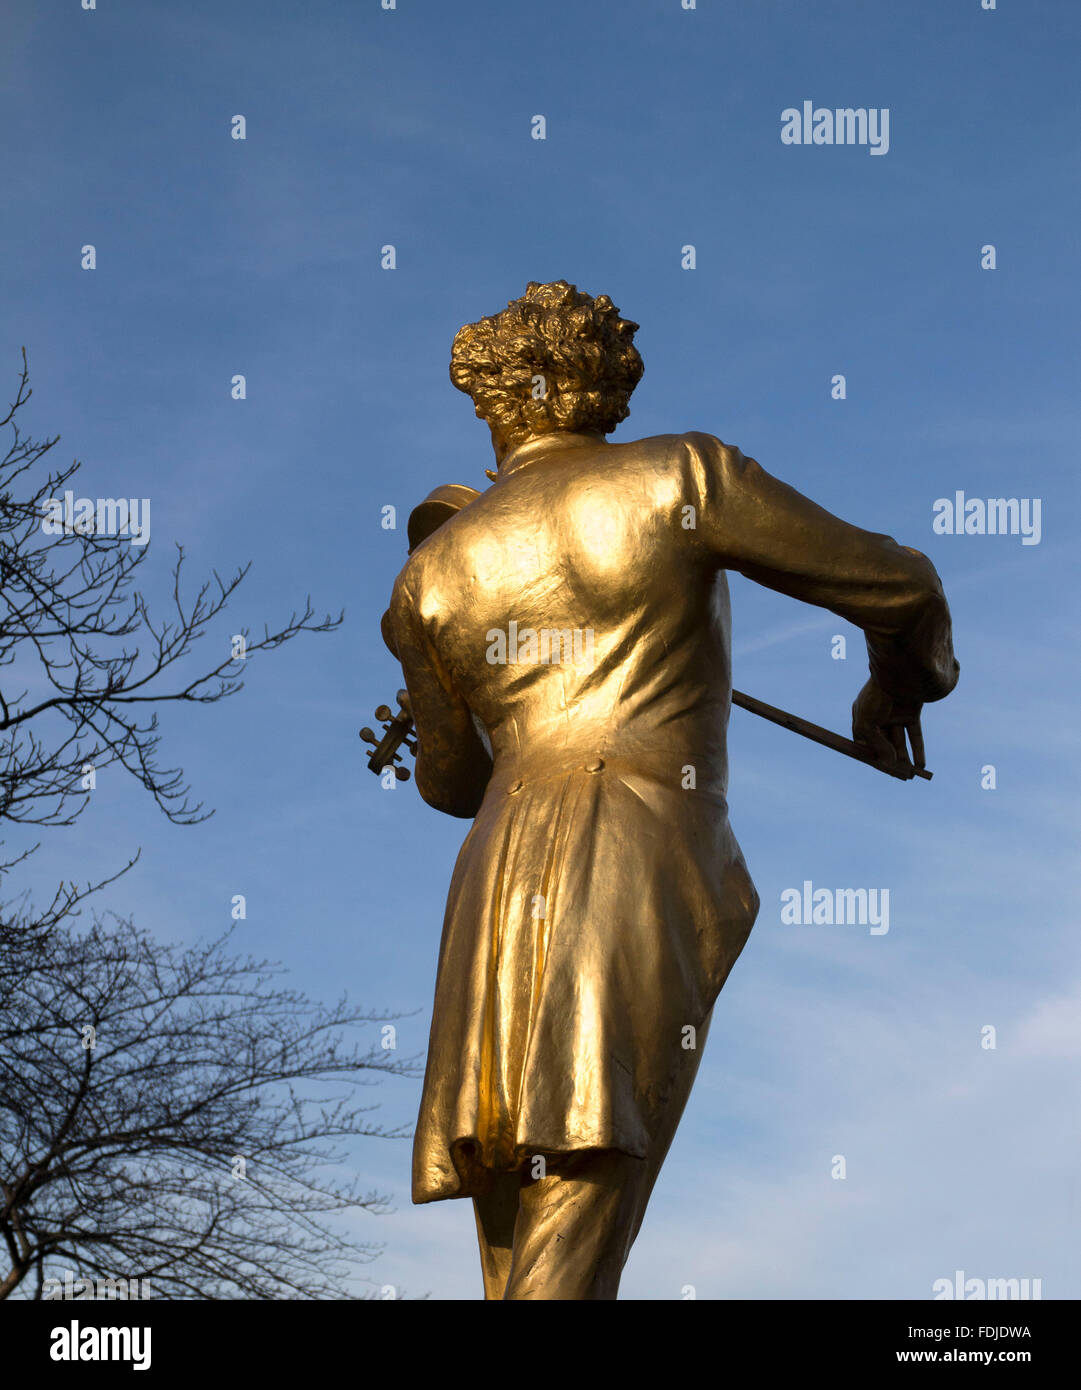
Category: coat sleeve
[453,765]
[755,524]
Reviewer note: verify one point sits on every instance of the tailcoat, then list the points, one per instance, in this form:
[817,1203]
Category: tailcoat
[600,898]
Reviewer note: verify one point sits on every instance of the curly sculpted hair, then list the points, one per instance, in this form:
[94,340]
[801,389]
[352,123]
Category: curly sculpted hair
[579,345]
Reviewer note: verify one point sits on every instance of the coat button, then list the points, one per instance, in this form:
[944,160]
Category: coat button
[595,765]
[514,787]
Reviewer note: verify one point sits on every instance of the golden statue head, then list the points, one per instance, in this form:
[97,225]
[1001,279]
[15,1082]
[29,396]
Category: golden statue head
[556,359]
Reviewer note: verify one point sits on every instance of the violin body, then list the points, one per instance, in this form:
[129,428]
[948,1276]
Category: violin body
[439,506]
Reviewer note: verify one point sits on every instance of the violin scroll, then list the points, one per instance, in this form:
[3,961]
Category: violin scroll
[397,729]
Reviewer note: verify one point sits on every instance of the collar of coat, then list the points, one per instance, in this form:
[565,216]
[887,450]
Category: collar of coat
[543,444]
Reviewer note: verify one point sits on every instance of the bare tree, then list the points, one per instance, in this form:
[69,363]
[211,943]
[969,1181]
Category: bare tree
[166,1114]
[92,662]
[172,1114]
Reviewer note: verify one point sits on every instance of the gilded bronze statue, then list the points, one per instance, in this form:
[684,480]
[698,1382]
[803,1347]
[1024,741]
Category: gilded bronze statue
[564,636]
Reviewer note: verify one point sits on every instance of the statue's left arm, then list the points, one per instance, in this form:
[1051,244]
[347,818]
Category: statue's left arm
[453,765]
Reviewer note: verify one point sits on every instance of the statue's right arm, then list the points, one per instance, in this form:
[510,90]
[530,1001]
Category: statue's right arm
[453,765]
[754,523]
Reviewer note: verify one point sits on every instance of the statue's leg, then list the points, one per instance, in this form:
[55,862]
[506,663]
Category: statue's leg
[576,1225]
[662,1141]
[496,1213]
[573,1229]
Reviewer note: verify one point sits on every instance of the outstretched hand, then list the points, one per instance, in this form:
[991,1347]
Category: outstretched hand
[880,723]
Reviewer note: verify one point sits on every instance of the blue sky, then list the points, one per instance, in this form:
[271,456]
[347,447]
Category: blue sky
[411,127]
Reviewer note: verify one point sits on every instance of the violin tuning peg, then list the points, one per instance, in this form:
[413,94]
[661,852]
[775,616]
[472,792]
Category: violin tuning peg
[412,746]
[402,774]
[367,735]
[382,712]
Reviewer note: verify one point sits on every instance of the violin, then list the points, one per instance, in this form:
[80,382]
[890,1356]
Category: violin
[398,729]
